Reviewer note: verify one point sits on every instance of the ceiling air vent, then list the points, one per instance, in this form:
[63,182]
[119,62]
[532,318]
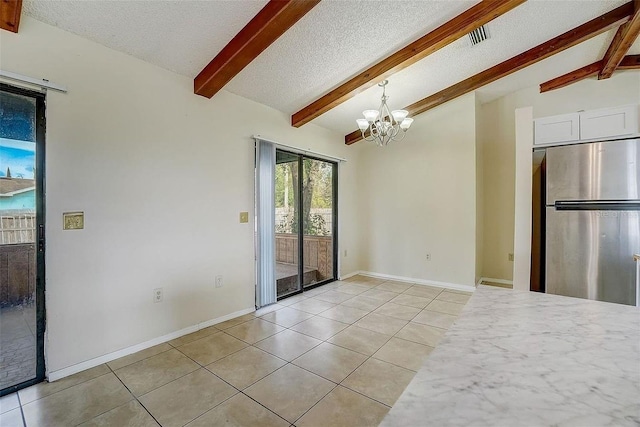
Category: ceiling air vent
[478,35]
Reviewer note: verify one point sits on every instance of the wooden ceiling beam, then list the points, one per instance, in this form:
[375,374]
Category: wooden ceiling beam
[447,33]
[275,18]
[10,11]
[622,41]
[574,76]
[629,62]
[558,44]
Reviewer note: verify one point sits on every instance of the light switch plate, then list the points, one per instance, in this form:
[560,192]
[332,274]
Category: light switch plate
[73,220]
[244,217]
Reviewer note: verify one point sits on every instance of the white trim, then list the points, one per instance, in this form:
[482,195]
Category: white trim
[301,150]
[456,286]
[13,193]
[346,276]
[499,281]
[32,81]
[91,363]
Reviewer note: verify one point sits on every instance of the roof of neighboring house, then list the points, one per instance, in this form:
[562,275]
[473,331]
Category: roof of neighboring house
[12,186]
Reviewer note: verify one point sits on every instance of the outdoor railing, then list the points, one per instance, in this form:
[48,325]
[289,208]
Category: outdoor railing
[318,252]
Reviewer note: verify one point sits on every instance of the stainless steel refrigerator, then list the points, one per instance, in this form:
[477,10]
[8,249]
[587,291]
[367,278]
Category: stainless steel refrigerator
[592,220]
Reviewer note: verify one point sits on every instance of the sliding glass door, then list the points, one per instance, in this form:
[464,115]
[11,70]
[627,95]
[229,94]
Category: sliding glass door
[305,222]
[21,238]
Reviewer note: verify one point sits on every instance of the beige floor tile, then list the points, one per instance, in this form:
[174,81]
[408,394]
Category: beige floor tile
[366,280]
[445,307]
[456,291]
[45,388]
[361,340]
[422,334]
[313,306]
[321,328]
[12,418]
[344,314]
[9,402]
[344,408]
[392,286]
[148,374]
[383,296]
[209,349]
[185,339]
[77,404]
[334,297]
[186,398]
[130,414]
[235,321]
[434,318]
[397,311]
[239,411]
[290,391]
[363,303]
[268,309]
[352,289]
[411,301]
[254,330]
[286,317]
[379,380]
[423,291]
[453,297]
[245,367]
[138,356]
[316,291]
[403,353]
[333,285]
[288,344]
[293,300]
[330,361]
[379,323]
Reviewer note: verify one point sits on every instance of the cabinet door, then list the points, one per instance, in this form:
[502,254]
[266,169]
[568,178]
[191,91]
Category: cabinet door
[609,122]
[552,130]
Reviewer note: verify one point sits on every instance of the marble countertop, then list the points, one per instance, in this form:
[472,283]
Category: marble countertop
[516,358]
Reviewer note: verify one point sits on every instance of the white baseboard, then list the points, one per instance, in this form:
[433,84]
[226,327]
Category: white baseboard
[457,286]
[346,276]
[499,281]
[92,363]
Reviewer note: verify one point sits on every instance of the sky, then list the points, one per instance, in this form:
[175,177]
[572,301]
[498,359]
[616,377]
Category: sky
[19,156]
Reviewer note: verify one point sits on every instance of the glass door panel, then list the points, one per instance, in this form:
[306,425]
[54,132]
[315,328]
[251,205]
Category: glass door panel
[318,221]
[21,126]
[287,240]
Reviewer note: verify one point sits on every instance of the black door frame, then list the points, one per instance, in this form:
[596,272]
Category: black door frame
[40,227]
[334,223]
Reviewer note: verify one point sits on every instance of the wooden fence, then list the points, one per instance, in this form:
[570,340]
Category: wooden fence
[17,228]
[318,252]
[17,274]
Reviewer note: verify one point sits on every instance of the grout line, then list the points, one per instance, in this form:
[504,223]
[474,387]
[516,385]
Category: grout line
[24,421]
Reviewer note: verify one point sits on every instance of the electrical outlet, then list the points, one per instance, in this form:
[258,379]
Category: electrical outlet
[428,257]
[157,295]
[219,283]
[510,257]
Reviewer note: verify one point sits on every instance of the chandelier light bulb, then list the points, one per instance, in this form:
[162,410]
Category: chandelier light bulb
[363,124]
[406,124]
[399,115]
[371,115]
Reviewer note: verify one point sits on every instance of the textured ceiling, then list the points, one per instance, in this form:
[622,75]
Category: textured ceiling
[333,42]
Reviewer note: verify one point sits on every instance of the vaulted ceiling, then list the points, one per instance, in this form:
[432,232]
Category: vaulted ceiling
[333,42]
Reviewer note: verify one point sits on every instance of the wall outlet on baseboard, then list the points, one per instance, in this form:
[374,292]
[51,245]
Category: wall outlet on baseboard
[428,257]
[219,282]
[157,295]
[510,257]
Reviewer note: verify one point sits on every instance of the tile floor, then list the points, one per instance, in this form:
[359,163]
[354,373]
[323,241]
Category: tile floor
[339,355]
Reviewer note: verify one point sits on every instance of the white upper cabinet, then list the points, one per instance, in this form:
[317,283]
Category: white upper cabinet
[555,129]
[590,125]
[609,122]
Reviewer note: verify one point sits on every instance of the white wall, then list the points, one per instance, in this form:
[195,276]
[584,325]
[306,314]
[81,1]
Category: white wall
[161,175]
[498,146]
[417,196]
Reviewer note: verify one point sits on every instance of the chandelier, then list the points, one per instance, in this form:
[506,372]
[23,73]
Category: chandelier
[383,126]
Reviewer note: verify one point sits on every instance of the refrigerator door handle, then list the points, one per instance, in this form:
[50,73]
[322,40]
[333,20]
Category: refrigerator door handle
[598,205]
